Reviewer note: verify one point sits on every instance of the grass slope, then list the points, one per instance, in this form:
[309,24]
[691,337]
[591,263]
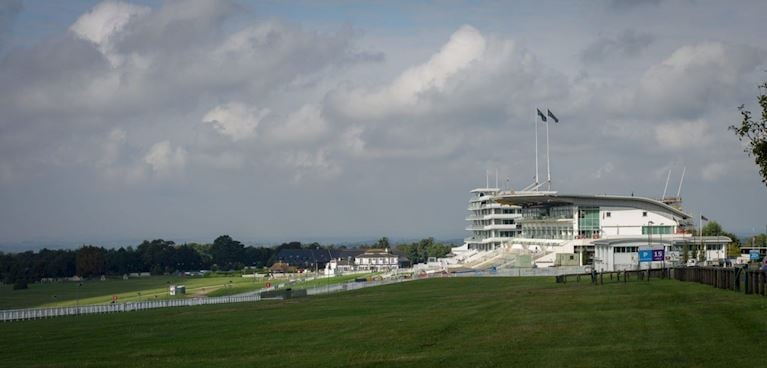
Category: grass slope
[460,322]
[96,291]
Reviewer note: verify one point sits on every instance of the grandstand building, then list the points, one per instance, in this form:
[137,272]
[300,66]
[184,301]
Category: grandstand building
[605,231]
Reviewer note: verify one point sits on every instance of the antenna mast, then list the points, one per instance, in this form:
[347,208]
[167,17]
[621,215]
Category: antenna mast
[679,191]
[666,187]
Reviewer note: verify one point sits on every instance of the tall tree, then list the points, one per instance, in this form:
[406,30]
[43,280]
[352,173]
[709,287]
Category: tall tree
[90,261]
[754,132]
[227,253]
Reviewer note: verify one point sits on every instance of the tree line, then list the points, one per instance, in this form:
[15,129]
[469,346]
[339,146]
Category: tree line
[163,257]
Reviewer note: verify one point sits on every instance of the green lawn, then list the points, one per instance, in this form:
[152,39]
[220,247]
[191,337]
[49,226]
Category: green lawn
[96,291]
[150,288]
[296,284]
[456,322]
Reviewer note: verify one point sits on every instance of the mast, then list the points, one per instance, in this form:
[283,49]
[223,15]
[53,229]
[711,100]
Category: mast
[548,166]
[679,190]
[666,187]
[535,124]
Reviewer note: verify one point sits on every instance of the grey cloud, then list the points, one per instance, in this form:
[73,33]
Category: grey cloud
[117,134]
[628,43]
[625,5]
[8,11]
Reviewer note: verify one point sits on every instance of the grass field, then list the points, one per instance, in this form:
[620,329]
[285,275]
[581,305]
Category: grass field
[458,322]
[149,288]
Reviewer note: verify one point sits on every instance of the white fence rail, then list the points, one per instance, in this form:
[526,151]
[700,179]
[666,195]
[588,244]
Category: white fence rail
[38,313]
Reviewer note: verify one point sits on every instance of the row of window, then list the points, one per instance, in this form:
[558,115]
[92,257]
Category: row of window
[608,214]
[626,249]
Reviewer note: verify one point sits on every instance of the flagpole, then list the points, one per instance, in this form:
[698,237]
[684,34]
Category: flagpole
[548,164]
[535,124]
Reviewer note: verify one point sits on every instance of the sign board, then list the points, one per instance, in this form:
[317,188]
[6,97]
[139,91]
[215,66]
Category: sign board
[754,254]
[645,255]
[651,254]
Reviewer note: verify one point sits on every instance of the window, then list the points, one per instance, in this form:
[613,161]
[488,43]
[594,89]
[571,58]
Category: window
[644,214]
[607,214]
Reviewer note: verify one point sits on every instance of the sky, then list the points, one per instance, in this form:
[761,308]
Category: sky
[339,120]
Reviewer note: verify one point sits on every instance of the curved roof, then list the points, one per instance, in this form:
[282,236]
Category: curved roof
[538,199]
[671,239]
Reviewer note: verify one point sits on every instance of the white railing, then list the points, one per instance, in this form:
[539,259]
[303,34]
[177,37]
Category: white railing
[38,313]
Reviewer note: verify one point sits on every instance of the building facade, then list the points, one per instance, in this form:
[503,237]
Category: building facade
[603,230]
[491,224]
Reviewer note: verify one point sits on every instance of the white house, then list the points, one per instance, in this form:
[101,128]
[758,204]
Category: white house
[377,260]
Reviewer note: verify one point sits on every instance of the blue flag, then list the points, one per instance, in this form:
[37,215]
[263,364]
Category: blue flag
[551,115]
[543,117]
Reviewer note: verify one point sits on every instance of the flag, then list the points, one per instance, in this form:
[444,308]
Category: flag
[704,218]
[543,117]
[551,115]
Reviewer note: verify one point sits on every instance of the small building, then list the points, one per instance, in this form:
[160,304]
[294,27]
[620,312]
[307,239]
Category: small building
[339,266]
[177,290]
[377,260]
[568,259]
[623,254]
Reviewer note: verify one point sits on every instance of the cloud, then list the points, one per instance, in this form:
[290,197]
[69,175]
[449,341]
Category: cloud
[697,76]
[713,171]
[681,135]
[9,10]
[406,93]
[316,164]
[625,5]
[132,97]
[236,120]
[305,124]
[111,147]
[104,22]
[604,170]
[627,44]
[163,159]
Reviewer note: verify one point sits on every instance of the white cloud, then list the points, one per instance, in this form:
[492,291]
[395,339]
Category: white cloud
[311,163]
[236,120]
[404,94]
[163,159]
[303,125]
[694,77]
[604,170]
[104,22]
[681,135]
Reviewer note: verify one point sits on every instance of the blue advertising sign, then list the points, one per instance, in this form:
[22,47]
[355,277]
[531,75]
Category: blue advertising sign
[657,254]
[754,254]
[645,255]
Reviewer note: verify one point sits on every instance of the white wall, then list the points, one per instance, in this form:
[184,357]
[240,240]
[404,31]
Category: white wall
[629,221]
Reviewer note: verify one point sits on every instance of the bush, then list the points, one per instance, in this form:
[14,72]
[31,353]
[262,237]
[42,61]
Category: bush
[20,284]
